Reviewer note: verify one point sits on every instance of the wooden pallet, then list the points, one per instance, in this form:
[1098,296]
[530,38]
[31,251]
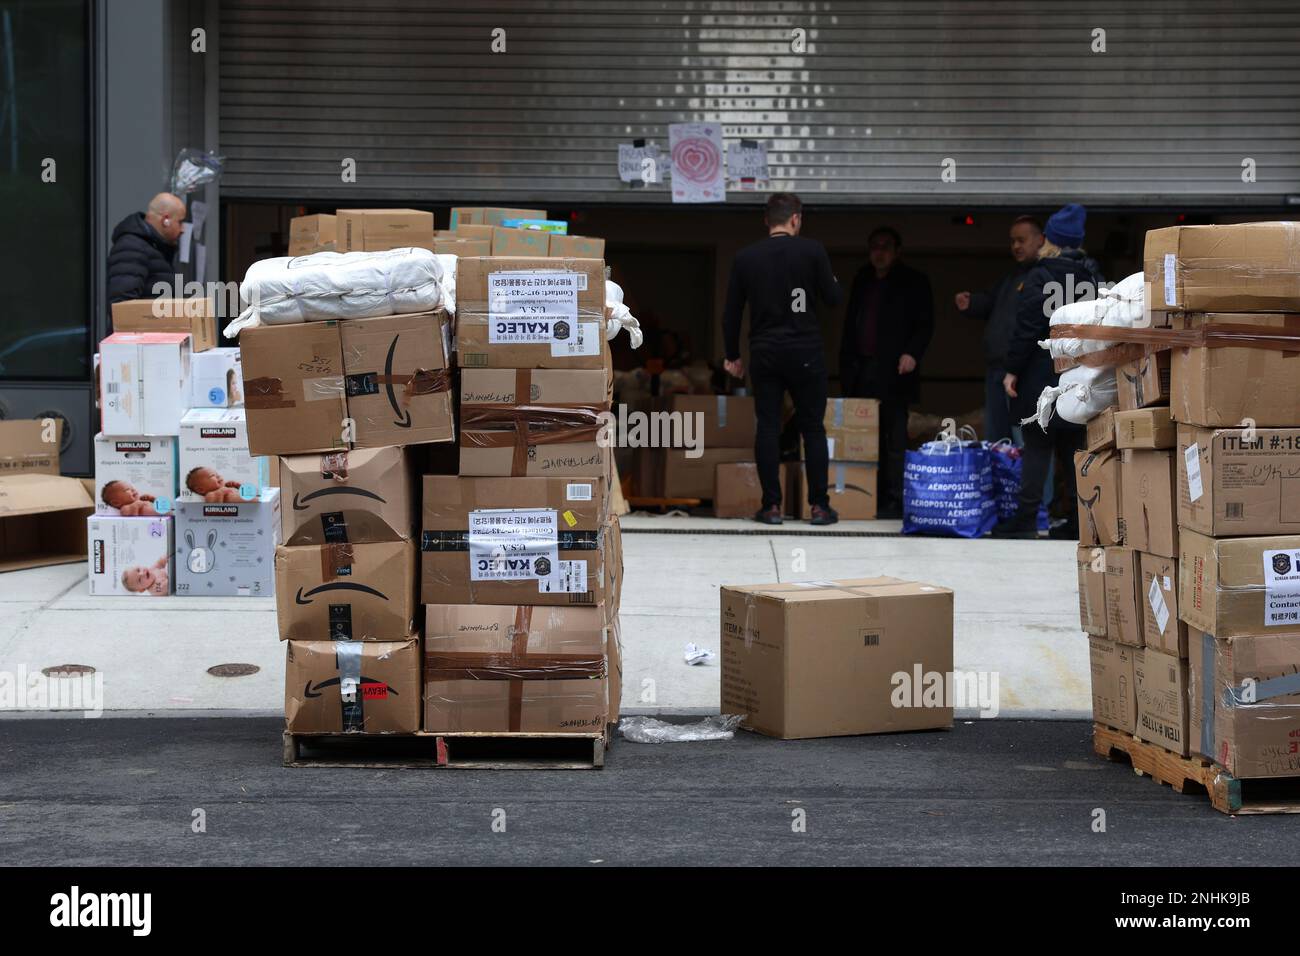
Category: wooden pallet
[1197,774]
[446,751]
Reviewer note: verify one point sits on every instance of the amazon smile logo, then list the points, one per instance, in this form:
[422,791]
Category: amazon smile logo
[404,415]
[301,598]
[300,502]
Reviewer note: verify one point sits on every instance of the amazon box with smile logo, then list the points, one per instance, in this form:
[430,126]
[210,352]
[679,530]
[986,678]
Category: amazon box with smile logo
[355,687]
[359,497]
[293,388]
[396,375]
[346,592]
[1098,474]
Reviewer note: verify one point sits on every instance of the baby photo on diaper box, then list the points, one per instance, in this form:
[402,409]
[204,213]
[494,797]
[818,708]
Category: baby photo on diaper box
[135,476]
[227,548]
[215,465]
[216,379]
[129,556]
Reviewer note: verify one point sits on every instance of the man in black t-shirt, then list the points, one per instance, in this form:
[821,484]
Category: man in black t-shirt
[780,278]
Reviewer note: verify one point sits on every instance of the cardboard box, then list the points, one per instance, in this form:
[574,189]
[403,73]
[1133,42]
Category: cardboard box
[293,388]
[1150,513]
[737,492]
[214,461]
[520,242]
[551,226]
[42,521]
[512,540]
[497,215]
[137,474]
[1226,386]
[370,687]
[1161,683]
[1114,701]
[196,317]
[398,379]
[551,320]
[853,429]
[1091,565]
[129,557]
[1145,428]
[144,382]
[24,449]
[1237,482]
[227,549]
[852,489]
[478,232]
[1235,586]
[687,477]
[1098,477]
[831,658]
[534,422]
[1245,709]
[216,379]
[717,421]
[1100,431]
[462,247]
[1162,628]
[1124,623]
[362,496]
[377,230]
[509,669]
[577,247]
[1246,267]
[1144,383]
[346,592]
[308,234]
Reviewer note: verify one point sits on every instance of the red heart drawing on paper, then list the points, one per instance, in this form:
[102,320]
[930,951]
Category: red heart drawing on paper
[697,160]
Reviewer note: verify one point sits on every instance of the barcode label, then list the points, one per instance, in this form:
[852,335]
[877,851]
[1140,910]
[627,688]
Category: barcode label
[1234,510]
[870,640]
[1173,676]
[112,388]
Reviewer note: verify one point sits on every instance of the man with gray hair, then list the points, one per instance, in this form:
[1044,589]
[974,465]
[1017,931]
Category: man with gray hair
[144,247]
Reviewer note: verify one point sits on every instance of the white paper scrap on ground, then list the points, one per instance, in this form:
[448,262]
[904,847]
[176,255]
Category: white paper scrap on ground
[698,655]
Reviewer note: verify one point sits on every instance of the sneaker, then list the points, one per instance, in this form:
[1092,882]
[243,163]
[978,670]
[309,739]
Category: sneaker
[1065,531]
[823,515]
[1017,526]
[770,515]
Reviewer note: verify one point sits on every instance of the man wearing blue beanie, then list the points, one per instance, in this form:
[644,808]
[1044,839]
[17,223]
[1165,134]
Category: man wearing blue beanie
[1062,265]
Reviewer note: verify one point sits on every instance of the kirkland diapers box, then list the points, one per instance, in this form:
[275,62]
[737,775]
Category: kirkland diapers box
[129,556]
[831,658]
[144,380]
[214,461]
[362,687]
[227,549]
[216,379]
[133,474]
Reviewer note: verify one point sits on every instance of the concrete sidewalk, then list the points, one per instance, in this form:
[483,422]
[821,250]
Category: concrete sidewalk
[1016,615]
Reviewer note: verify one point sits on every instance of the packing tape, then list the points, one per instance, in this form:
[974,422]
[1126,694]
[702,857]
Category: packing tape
[336,561]
[348,656]
[524,427]
[1207,335]
[266,393]
[839,477]
[722,411]
[322,389]
[1262,690]
[334,465]
[838,405]
[1208,667]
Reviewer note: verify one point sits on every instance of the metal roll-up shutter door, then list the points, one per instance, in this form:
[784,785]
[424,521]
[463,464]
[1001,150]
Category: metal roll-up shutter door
[883,93]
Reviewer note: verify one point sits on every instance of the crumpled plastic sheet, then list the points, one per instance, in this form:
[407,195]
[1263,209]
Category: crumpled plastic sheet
[649,730]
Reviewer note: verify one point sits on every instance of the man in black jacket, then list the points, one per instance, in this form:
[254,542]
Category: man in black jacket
[780,278]
[997,307]
[144,246]
[1062,265]
[887,328]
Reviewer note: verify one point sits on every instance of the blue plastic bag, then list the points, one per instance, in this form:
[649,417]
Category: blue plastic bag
[1008,464]
[948,489]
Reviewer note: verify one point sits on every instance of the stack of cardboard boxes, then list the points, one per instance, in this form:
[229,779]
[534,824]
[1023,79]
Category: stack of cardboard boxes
[507,542]
[853,446]
[182,506]
[1207,442]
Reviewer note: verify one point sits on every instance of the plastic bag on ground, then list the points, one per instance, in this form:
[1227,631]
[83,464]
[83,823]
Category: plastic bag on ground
[649,730]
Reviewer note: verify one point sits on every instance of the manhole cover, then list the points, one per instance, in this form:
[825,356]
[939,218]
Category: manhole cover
[67,670]
[233,670]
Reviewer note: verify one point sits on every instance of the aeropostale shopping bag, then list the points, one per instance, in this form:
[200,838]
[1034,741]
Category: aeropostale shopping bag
[948,489]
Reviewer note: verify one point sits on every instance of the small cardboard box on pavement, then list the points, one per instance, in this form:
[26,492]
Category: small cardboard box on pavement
[308,234]
[42,520]
[227,548]
[293,388]
[1123,608]
[1162,628]
[377,230]
[1160,681]
[684,476]
[1149,509]
[1114,702]
[144,382]
[359,497]
[346,592]
[738,493]
[197,317]
[24,449]
[851,486]
[1234,482]
[853,429]
[135,472]
[1225,386]
[832,658]
[1098,480]
[370,687]
[129,557]
[515,668]
[1091,565]
[1239,586]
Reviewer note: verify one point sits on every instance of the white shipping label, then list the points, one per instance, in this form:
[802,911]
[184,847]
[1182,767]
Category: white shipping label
[580,338]
[580,492]
[512,544]
[1159,608]
[527,307]
[570,578]
[1171,279]
[1193,459]
[1281,587]
[1168,585]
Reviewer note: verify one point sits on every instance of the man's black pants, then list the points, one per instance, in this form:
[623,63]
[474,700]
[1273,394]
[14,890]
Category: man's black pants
[802,374]
[893,435]
[1062,439]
